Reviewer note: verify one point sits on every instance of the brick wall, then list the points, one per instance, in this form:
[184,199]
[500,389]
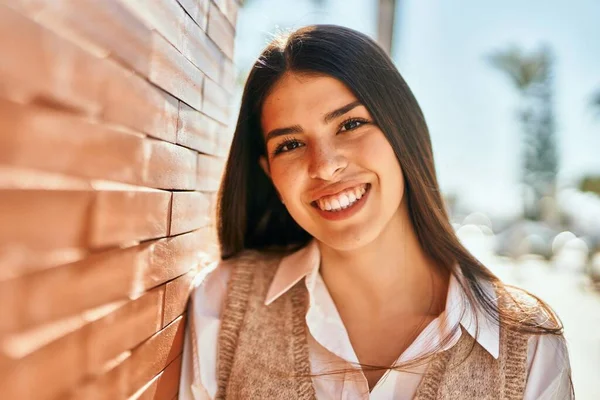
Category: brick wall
[113,130]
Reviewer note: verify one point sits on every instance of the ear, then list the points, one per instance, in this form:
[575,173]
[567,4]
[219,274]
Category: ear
[264,164]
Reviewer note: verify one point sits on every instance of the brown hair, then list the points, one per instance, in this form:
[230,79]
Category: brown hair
[250,215]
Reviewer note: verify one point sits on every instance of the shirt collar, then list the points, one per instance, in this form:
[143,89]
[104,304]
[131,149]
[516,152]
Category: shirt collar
[292,268]
[306,261]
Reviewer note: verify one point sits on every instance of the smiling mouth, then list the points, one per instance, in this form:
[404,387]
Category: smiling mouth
[343,200]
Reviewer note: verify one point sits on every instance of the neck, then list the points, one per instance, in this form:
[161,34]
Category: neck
[389,275]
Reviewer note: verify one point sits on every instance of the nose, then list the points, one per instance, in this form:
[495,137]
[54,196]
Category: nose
[326,162]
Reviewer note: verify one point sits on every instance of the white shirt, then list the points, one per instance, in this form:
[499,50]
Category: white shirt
[548,366]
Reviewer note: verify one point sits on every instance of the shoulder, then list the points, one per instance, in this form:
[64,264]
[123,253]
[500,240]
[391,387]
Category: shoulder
[526,312]
[547,345]
[548,350]
[548,368]
[209,289]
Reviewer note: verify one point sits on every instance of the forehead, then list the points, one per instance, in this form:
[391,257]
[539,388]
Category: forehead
[297,98]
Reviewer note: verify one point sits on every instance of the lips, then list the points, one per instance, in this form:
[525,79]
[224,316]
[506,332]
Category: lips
[336,189]
[341,200]
[343,205]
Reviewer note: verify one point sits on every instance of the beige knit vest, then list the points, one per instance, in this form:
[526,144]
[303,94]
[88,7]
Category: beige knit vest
[263,350]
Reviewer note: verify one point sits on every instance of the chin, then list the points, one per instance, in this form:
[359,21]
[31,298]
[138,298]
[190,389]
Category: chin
[348,239]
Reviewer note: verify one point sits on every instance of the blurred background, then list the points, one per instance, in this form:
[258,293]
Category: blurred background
[511,94]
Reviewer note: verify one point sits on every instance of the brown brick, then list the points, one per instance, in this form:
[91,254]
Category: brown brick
[106,24]
[224,143]
[155,354]
[110,385]
[164,386]
[66,290]
[43,220]
[123,329]
[24,178]
[165,16]
[78,147]
[129,215]
[198,10]
[220,30]
[174,73]
[132,101]
[177,293]
[207,245]
[210,170]
[69,289]
[170,166]
[17,260]
[230,9]
[46,372]
[45,68]
[228,76]
[12,299]
[23,40]
[201,50]
[197,131]
[173,256]
[216,101]
[86,141]
[189,211]
[134,368]
[213,198]
[30,8]
[46,361]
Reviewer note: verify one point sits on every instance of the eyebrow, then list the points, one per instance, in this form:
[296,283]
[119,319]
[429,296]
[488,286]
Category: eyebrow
[330,116]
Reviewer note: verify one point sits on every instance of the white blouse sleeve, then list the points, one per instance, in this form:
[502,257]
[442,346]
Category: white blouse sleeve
[548,369]
[199,382]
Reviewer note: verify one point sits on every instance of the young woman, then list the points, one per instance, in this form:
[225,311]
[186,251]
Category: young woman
[342,277]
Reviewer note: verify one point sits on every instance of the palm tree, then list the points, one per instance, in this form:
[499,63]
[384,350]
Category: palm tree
[531,75]
[386,16]
[595,103]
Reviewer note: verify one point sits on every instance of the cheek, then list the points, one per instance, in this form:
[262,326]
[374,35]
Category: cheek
[378,153]
[380,156]
[286,178]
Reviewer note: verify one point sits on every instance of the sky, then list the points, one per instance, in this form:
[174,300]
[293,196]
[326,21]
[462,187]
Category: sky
[440,48]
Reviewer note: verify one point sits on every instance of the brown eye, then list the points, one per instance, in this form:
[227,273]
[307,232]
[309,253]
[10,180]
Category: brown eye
[352,124]
[287,145]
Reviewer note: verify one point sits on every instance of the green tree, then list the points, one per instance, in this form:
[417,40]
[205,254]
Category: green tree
[531,75]
[590,183]
[595,103]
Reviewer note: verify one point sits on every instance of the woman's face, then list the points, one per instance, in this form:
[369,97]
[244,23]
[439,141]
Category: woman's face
[331,165]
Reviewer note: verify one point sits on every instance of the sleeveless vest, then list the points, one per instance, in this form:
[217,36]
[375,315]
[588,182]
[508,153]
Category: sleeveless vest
[263,350]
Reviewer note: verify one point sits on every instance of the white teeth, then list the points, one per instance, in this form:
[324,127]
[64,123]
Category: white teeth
[344,201]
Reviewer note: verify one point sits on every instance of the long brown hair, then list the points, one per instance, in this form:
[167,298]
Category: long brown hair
[250,215]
